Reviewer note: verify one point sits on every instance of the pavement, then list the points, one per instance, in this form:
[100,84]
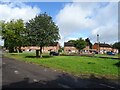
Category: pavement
[18,74]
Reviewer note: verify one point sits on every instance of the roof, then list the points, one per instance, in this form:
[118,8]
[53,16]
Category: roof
[103,45]
[68,44]
[53,44]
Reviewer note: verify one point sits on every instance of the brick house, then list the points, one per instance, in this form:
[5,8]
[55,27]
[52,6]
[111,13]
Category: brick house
[103,48]
[51,47]
[69,48]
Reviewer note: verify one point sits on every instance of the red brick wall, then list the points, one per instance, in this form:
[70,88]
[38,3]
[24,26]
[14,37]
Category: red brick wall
[95,46]
[45,49]
[73,49]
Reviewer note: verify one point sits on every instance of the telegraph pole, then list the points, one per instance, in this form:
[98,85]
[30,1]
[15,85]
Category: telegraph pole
[98,42]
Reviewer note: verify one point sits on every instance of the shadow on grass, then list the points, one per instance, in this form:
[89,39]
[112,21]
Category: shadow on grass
[62,81]
[38,57]
[91,63]
[117,64]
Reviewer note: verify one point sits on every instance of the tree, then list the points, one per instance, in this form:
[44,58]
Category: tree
[80,44]
[42,31]
[13,33]
[71,41]
[61,49]
[88,42]
[116,45]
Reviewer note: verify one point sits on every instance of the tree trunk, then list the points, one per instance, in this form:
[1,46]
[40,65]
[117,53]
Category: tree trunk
[79,52]
[37,53]
[119,53]
[11,49]
[40,52]
[15,50]
[19,49]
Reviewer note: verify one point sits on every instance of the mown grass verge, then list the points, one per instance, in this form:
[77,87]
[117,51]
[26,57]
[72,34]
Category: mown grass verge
[75,65]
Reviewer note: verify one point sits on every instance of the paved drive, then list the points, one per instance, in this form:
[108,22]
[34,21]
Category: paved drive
[18,74]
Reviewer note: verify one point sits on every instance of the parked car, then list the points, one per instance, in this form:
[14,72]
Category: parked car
[95,52]
[54,53]
[110,53]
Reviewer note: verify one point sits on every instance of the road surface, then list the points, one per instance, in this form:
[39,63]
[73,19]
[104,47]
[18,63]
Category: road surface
[18,74]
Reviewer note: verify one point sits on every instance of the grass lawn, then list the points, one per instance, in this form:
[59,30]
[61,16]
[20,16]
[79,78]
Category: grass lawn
[75,65]
[105,55]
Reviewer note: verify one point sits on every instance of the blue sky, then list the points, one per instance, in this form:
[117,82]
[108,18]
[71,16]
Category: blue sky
[73,19]
[52,8]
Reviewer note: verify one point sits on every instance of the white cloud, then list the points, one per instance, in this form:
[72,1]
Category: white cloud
[91,18]
[106,33]
[73,17]
[107,24]
[65,39]
[17,10]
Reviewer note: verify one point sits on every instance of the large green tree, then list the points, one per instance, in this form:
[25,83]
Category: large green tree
[88,43]
[13,33]
[42,31]
[80,44]
[71,41]
[116,45]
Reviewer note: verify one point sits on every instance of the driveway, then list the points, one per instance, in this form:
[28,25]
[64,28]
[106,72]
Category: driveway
[18,74]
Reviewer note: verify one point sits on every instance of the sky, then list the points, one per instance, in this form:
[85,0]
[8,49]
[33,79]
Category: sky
[74,19]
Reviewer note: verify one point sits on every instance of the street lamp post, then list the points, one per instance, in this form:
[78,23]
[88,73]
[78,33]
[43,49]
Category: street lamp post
[98,42]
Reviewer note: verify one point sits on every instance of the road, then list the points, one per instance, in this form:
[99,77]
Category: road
[18,74]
